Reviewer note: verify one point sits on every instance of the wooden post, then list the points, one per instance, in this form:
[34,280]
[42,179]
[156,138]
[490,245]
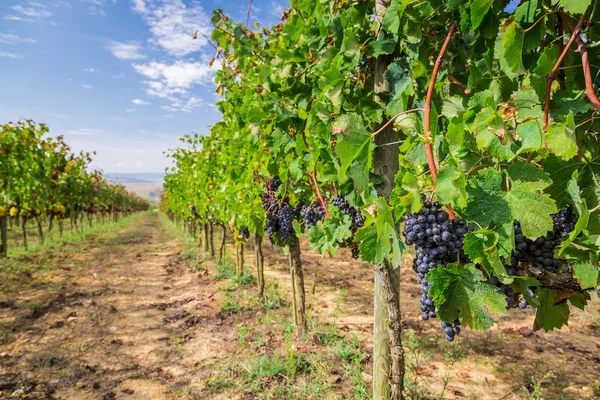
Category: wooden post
[298,285]
[222,246]
[211,241]
[23,222]
[4,236]
[260,260]
[388,365]
[40,229]
[205,238]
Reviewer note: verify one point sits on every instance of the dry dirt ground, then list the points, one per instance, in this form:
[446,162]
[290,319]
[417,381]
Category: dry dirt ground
[137,314]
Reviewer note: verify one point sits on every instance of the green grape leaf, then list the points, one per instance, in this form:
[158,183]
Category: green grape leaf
[372,249]
[550,316]
[526,11]
[354,149]
[382,46]
[575,6]
[488,204]
[582,212]
[523,283]
[453,107]
[580,300]
[512,44]
[532,136]
[482,247]
[399,81]
[406,195]
[391,20]
[479,9]
[586,273]
[526,174]
[561,140]
[451,184]
[533,210]
[460,291]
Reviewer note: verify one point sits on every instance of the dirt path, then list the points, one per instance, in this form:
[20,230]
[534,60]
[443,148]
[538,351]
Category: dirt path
[127,315]
[115,328]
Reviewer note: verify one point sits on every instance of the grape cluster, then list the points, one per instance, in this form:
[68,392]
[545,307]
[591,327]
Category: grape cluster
[275,183]
[507,290]
[541,250]
[357,220]
[244,233]
[356,256]
[450,329]
[286,214]
[438,241]
[312,215]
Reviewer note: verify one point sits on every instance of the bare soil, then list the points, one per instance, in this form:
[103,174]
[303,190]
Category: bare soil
[132,316]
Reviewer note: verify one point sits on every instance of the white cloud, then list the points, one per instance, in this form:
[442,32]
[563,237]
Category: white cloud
[86,86]
[140,102]
[11,38]
[17,18]
[172,23]
[36,10]
[180,74]
[92,70]
[130,110]
[10,55]
[84,131]
[172,82]
[119,75]
[139,6]
[126,50]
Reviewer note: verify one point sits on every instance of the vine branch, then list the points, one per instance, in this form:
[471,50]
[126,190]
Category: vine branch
[585,60]
[318,192]
[248,13]
[433,166]
[552,76]
[394,117]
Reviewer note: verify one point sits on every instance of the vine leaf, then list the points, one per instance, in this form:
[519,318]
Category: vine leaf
[479,9]
[582,211]
[528,205]
[575,6]
[326,234]
[406,195]
[371,249]
[460,292]
[526,11]
[561,139]
[489,204]
[586,273]
[580,300]
[354,149]
[382,46]
[532,136]
[399,81]
[550,316]
[482,247]
[391,20]
[451,185]
[513,48]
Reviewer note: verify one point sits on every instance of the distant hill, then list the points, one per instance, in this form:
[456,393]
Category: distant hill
[148,190]
[135,177]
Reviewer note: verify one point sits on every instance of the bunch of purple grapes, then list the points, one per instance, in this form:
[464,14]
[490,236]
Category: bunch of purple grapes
[438,241]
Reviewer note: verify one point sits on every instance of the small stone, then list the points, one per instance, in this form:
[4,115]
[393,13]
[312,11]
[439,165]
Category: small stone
[113,329]
[4,355]
[561,351]
[70,319]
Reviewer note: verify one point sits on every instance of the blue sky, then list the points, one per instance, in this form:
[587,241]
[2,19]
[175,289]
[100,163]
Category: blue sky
[120,77]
